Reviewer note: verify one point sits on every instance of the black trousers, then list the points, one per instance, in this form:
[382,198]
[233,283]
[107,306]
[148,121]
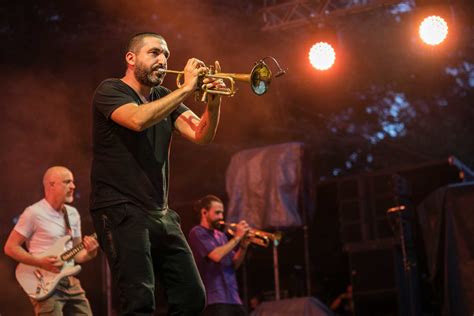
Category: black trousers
[141,246]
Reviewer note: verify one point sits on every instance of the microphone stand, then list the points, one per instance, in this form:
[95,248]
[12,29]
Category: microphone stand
[407,262]
[275,269]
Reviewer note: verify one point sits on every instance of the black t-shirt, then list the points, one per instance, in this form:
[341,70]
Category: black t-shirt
[129,166]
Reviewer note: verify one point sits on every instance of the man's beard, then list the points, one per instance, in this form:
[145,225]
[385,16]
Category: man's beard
[216,225]
[146,77]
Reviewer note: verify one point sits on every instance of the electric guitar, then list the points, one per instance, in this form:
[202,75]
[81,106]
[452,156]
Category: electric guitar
[38,283]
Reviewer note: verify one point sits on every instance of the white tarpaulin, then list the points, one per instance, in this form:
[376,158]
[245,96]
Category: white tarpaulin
[264,184]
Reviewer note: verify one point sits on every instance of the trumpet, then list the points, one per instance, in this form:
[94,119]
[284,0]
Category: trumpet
[255,236]
[259,79]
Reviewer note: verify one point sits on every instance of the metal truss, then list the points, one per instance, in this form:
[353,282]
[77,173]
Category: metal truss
[284,15]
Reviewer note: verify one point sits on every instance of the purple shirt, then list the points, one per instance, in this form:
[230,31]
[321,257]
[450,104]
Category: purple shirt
[219,278]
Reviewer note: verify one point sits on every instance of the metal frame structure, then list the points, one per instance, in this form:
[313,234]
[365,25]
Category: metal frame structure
[289,14]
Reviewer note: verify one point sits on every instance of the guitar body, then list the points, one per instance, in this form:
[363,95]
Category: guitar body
[39,284]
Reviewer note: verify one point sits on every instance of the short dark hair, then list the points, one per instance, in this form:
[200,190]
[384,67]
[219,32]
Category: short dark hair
[205,202]
[136,41]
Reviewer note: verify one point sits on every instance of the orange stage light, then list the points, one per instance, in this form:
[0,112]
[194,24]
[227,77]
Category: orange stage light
[322,56]
[433,30]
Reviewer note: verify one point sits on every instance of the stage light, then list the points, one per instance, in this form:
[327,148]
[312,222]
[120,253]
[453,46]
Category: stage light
[433,30]
[322,56]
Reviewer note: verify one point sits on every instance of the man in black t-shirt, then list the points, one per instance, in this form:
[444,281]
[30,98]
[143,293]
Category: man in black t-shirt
[133,120]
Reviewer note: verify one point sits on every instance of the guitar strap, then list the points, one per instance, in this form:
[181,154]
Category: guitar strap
[66,220]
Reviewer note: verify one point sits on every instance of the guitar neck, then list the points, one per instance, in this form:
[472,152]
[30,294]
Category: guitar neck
[68,255]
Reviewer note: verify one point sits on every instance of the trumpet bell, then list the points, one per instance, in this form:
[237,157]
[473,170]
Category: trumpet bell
[260,78]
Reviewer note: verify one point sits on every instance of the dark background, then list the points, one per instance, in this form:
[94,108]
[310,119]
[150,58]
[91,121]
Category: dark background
[389,102]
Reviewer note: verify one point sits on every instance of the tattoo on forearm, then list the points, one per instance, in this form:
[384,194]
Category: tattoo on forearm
[202,126]
[192,122]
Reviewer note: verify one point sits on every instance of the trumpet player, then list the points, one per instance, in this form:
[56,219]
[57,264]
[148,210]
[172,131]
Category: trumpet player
[134,118]
[217,257]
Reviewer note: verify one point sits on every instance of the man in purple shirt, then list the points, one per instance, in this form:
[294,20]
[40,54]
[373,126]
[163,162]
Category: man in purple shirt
[217,258]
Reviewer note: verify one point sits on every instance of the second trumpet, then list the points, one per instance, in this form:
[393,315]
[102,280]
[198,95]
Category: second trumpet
[255,236]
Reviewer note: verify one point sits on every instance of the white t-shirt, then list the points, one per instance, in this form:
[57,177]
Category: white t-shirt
[42,226]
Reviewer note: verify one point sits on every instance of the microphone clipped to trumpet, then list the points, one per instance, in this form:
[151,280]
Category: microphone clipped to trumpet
[259,79]
[255,236]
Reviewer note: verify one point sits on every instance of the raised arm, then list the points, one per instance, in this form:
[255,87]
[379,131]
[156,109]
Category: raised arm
[202,130]
[240,254]
[138,118]
[218,253]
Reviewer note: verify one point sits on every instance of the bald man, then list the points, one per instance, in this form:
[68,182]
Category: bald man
[39,226]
